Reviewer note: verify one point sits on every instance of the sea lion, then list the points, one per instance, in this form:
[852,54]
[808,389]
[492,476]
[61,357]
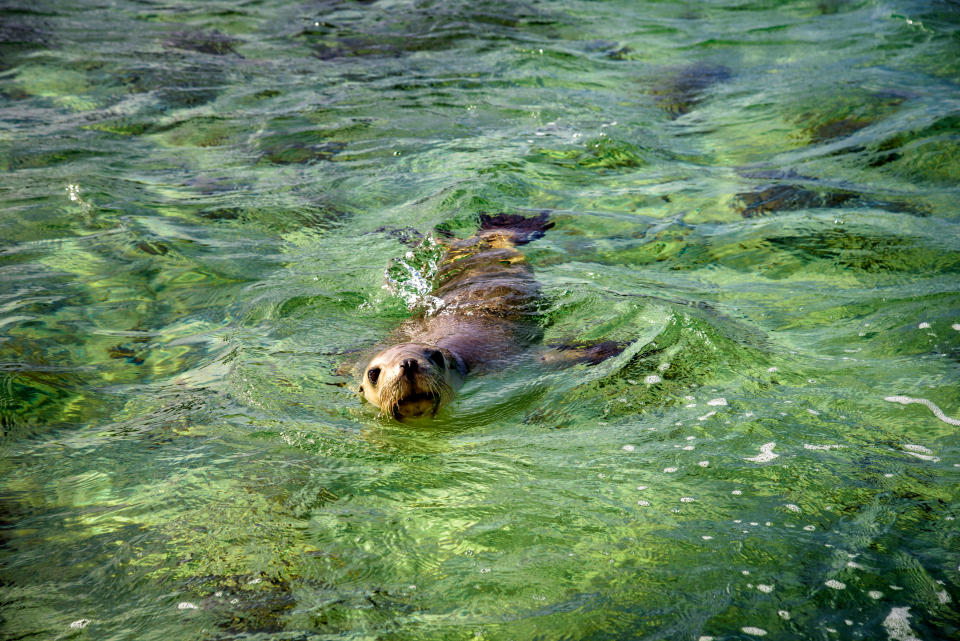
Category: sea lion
[487,317]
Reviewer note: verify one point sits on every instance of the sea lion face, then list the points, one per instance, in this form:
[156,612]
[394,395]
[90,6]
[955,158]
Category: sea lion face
[411,380]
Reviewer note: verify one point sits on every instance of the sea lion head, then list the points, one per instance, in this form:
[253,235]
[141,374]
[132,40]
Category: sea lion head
[412,380]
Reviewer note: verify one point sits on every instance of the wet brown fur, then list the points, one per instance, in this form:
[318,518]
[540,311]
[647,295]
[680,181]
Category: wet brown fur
[488,317]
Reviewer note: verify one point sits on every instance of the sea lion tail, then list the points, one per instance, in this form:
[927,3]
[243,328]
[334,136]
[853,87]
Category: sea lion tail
[520,229]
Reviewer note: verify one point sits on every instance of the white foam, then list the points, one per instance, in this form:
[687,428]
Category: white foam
[771,369]
[663,367]
[717,402]
[706,416]
[628,448]
[186,605]
[766,454]
[736,492]
[923,326]
[814,412]
[670,470]
[766,589]
[687,499]
[836,585]
[643,503]
[703,463]
[792,507]
[652,379]
[917,448]
[783,614]
[808,446]
[875,594]
[897,625]
[757,632]
[79,624]
[956,327]
[921,452]
[906,400]
[809,528]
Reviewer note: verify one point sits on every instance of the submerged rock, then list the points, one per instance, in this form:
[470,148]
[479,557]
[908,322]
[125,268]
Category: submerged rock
[212,42]
[681,90]
[772,198]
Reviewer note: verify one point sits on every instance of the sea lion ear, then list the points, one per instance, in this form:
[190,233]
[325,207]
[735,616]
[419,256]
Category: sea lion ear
[360,389]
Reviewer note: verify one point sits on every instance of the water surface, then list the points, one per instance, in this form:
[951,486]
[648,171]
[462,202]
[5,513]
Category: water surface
[199,203]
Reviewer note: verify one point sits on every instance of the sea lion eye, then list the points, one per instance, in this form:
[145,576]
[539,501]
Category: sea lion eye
[436,357]
[373,374]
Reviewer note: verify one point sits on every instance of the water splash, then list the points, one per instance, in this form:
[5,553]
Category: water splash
[410,277]
[73,193]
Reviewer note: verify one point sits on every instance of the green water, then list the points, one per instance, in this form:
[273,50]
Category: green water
[199,202]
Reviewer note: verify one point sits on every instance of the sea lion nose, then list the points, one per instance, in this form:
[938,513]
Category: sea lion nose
[409,366]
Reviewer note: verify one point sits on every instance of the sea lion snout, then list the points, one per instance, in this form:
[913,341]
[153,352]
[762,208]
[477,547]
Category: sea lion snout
[409,368]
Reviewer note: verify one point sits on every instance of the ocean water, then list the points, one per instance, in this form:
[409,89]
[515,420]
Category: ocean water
[199,202]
